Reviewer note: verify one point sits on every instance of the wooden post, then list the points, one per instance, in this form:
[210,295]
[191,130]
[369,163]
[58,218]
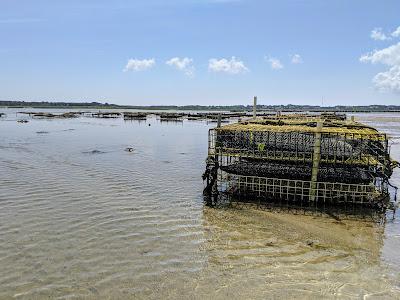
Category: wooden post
[219,120]
[255,107]
[316,161]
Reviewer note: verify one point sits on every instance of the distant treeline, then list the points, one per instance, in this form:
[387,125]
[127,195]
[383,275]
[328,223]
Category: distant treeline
[45,104]
[234,108]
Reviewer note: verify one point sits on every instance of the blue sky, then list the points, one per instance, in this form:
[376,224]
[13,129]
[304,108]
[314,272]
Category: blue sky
[200,51]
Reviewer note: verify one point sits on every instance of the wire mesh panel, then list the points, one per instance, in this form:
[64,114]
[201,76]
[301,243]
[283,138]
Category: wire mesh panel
[299,146]
[297,190]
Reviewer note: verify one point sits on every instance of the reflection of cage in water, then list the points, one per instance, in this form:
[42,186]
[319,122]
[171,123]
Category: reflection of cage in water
[300,159]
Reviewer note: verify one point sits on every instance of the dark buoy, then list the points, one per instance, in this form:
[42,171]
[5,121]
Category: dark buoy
[149,124]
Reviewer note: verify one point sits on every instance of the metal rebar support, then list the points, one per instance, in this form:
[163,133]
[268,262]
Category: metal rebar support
[316,161]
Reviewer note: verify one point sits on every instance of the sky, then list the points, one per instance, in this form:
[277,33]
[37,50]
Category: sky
[205,52]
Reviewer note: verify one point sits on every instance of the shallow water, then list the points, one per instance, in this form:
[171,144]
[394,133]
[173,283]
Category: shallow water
[80,217]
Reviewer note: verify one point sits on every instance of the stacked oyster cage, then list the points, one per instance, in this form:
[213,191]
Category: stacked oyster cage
[320,158]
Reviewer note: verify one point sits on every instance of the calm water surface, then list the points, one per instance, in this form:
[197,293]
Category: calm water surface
[82,218]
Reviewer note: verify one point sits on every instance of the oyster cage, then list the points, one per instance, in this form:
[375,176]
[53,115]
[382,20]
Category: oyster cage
[301,159]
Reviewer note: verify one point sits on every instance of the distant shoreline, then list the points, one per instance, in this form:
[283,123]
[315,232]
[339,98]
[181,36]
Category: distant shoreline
[231,108]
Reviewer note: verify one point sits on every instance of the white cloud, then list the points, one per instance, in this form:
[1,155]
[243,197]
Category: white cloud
[390,56]
[183,64]
[231,66]
[296,59]
[274,62]
[396,33]
[378,35]
[139,65]
[389,80]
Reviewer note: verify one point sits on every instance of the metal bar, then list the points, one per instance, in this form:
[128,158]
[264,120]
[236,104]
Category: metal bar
[316,161]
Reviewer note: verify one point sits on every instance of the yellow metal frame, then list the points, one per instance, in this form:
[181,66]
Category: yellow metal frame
[355,133]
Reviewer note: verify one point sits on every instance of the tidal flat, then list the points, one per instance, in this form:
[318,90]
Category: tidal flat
[82,218]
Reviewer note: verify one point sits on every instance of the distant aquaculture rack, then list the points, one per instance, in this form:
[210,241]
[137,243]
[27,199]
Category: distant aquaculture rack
[46,115]
[323,158]
[134,116]
[140,115]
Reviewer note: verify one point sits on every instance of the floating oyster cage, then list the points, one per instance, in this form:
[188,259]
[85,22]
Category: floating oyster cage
[319,159]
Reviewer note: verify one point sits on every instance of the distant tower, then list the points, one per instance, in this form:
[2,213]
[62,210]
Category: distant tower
[255,107]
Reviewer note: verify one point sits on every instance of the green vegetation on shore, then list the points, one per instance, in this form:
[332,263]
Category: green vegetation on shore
[234,108]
